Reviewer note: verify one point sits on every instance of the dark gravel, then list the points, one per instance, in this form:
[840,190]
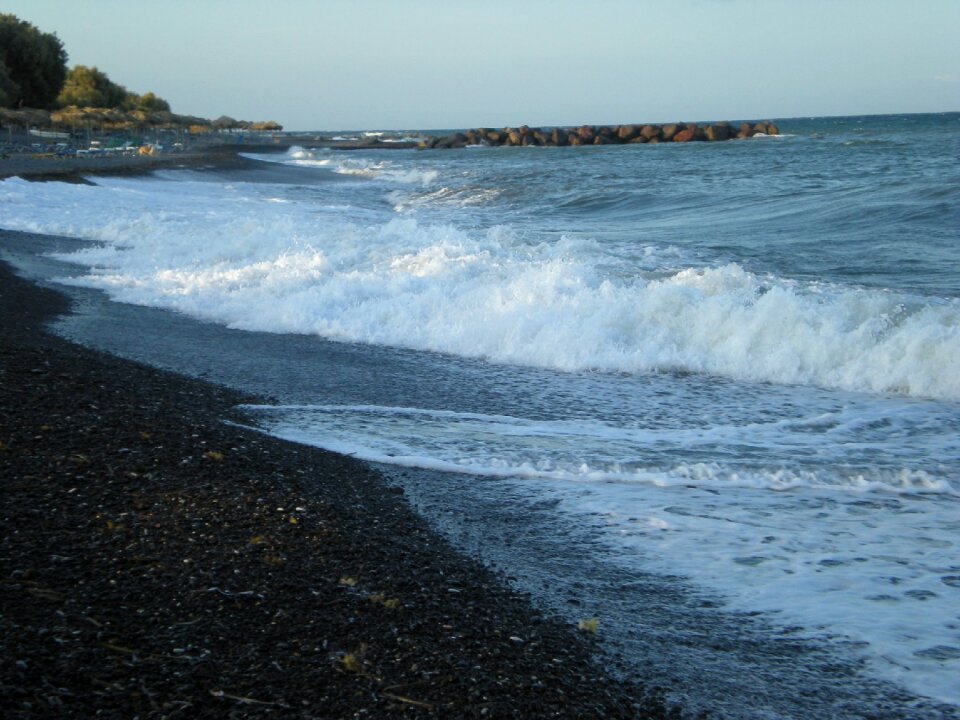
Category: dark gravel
[156,562]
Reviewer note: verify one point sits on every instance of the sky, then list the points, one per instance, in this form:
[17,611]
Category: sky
[426,64]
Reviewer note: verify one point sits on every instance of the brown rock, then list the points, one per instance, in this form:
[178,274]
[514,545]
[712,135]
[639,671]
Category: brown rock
[717,132]
[668,131]
[586,133]
[605,131]
[650,131]
[627,132]
[638,140]
[558,137]
[684,136]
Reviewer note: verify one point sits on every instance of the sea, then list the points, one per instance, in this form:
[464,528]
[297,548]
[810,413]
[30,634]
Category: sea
[707,394]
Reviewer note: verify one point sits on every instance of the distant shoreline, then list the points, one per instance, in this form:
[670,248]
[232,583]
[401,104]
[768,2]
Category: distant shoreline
[41,166]
[35,166]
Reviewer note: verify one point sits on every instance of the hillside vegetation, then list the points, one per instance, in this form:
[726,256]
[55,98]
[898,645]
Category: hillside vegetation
[38,90]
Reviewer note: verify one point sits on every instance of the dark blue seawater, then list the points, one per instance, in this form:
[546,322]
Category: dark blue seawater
[706,393]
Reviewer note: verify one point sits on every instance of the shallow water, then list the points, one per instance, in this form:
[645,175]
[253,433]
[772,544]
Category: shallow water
[728,374]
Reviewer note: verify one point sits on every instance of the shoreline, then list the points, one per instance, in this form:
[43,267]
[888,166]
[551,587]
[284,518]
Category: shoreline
[157,561]
[39,167]
[74,169]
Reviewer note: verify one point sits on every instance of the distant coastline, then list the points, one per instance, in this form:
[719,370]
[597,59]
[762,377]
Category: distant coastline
[37,154]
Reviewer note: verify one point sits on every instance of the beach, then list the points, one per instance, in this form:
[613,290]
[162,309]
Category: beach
[157,562]
[716,412]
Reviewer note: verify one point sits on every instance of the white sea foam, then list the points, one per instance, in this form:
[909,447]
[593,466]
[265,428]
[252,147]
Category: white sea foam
[351,165]
[595,451]
[229,255]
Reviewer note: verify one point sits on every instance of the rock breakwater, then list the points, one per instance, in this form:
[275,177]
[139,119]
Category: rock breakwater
[601,135]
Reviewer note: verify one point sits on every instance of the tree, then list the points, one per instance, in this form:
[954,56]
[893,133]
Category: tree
[148,102]
[89,87]
[33,64]
[8,88]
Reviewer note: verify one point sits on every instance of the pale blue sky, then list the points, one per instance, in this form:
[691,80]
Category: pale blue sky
[376,64]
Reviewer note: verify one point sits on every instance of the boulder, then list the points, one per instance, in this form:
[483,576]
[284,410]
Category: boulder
[600,134]
[649,132]
[607,132]
[717,132]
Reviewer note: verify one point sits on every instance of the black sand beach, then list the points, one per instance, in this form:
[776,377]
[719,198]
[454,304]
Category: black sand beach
[157,562]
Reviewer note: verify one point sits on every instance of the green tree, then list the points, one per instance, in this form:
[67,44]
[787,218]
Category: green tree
[33,64]
[89,87]
[8,88]
[148,102]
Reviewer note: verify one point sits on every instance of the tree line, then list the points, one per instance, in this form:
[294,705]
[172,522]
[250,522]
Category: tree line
[34,74]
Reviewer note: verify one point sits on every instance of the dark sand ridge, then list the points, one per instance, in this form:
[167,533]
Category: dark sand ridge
[73,169]
[156,562]
[40,166]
